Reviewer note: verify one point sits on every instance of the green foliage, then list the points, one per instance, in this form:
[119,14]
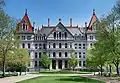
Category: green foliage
[45,61]
[73,61]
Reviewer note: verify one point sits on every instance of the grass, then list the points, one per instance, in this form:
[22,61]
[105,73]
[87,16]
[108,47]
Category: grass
[62,72]
[60,79]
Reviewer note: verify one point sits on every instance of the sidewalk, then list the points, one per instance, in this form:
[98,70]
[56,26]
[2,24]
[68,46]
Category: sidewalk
[14,79]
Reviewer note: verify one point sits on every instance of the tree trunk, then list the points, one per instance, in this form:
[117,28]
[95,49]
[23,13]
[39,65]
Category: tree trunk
[20,71]
[101,70]
[117,70]
[73,68]
[110,70]
[3,67]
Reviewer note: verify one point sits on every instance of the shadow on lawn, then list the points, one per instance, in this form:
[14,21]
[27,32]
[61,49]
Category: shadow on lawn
[79,79]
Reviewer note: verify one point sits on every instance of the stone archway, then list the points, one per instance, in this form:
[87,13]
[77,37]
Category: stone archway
[59,64]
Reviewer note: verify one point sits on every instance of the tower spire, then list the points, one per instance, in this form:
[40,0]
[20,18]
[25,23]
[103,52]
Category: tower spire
[25,11]
[93,11]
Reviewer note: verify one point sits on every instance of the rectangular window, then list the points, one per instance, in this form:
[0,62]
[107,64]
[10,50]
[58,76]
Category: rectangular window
[84,64]
[79,54]
[40,46]
[83,46]
[39,54]
[49,45]
[75,46]
[28,37]
[70,45]
[91,37]
[49,54]
[60,45]
[54,45]
[54,54]
[35,54]
[79,63]
[65,45]
[35,63]
[35,46]
[44,46]
[79,46]
[83,52]
[28,45]
[23,45]
[83,56]
[76,54]
[23,37]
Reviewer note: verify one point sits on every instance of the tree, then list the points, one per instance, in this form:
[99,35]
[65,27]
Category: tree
[2,3]
[19,60]
[45,61]
[73,61]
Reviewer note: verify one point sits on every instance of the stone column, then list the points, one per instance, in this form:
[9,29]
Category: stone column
[56,64]
[63,64]
[81,63]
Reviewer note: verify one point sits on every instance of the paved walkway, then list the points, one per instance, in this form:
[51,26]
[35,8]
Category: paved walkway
[14,79]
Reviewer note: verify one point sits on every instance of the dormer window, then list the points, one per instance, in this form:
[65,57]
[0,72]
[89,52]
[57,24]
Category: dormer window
[23,26]
[54,35]
[60,35]
[65,35]
[26,26]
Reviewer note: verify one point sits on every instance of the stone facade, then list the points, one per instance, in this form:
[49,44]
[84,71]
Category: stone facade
[58,42]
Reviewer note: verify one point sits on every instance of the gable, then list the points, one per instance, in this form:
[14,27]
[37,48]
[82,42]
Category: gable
[60,28]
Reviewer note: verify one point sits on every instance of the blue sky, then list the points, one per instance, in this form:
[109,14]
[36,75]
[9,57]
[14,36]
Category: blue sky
[40,10]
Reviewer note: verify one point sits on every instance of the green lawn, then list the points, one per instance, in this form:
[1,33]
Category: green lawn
[60,79]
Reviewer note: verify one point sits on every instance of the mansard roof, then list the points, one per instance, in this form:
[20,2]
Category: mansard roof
[93,19]
[71,29]
[27,21]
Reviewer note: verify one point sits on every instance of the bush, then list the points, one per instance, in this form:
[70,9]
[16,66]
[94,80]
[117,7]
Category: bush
[10,74]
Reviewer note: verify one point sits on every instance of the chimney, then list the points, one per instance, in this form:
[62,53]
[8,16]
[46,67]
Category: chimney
[70,22]
[33,26]
[85,24]
[48,22]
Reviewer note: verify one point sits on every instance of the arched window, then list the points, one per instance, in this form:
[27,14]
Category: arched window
[65,35]
[54,45]
[23,45]
[23,26]
[60,54]
[60,35]
[65,54]
[60,45]
[54,35]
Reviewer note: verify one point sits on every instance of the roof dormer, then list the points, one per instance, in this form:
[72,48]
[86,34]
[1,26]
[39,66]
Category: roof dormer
[92,21]
[24,24]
